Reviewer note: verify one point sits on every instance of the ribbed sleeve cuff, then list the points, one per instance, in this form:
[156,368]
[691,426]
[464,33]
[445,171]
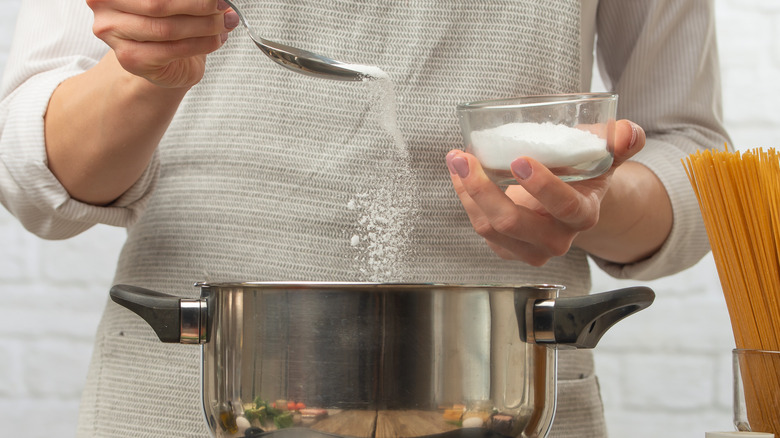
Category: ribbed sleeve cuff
[687,243]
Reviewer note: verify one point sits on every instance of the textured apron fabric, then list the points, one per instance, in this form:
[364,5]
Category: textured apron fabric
[267,175]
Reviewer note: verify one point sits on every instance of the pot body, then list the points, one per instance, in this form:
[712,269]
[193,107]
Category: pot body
[380,360]
[372,360]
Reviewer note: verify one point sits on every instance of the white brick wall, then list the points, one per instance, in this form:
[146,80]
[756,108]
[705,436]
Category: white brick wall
[664,372]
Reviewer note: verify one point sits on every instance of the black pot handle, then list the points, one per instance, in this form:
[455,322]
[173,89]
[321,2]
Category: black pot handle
[174,319]
[580,322]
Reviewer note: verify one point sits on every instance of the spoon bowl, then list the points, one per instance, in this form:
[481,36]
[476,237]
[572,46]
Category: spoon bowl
[308,63]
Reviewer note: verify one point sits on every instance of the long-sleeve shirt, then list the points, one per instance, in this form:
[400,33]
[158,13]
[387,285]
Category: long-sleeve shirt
[268,175]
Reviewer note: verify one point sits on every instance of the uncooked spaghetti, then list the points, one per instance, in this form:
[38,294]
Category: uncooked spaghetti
[739,198]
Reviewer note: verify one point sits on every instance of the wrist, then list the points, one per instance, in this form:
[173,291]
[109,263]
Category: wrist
[634,220]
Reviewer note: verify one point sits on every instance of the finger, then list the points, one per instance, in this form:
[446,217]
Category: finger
[476,215]
[481,197]
[506,247]
[630,138]
[561,200]
[158,65]
[161,8]
[494,215]
[147,29]
[144,58]
[479,221]
[470,178]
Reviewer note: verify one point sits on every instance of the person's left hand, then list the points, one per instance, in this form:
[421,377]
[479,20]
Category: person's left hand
[539,218]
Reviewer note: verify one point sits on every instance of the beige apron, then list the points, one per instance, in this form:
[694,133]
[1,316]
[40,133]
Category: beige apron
[270,175]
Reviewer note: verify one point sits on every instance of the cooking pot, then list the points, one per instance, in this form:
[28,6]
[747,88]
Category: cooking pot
[380,360]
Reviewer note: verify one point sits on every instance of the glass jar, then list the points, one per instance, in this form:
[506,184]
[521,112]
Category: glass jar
[756,390]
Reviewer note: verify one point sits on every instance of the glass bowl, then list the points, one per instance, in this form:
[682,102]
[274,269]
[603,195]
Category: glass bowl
[571,134]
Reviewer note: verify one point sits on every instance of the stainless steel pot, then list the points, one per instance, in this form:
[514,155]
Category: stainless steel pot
[380,360]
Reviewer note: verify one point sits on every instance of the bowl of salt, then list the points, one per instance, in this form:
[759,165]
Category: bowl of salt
[571,134]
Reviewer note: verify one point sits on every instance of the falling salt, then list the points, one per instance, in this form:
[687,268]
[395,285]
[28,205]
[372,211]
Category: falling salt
[551,144]
[388,115]
[386,209]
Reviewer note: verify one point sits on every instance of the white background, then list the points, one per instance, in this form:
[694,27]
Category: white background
[665,372]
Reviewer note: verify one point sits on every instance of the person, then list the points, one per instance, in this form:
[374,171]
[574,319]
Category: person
[224,166]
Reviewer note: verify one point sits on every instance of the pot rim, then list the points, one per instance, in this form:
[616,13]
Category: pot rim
[369,285]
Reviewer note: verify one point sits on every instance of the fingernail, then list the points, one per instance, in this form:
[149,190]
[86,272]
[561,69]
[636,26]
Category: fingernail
[634,135]
[231,20]
[461,166]
[223,37]
[221,5]
[449,161]
[522,168]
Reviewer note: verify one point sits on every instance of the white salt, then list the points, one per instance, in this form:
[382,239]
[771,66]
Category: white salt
[386,209]
[550,144]
[383,233]
[365,72]
[368,72]
[386,107]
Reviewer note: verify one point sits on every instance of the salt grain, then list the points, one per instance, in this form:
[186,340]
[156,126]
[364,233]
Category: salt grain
[387,209]
[369,72]
[550,144]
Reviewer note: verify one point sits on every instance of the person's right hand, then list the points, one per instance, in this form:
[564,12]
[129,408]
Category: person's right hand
[163,41]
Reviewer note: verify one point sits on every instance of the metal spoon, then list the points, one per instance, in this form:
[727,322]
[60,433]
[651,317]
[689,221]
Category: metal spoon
[308,63]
